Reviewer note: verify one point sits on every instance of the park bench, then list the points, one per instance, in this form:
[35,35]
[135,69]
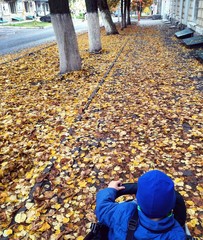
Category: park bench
[30,17]
[156,17]
[195,41]
[200,56]
[3,21]
[17,19]
[186,33]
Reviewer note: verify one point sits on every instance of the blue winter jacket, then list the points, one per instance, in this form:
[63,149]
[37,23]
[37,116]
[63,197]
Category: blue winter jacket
[116,217]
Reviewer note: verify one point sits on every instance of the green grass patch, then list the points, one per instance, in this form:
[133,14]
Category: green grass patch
[29,24]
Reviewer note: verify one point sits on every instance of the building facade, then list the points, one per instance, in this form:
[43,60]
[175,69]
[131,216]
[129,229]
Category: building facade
[185,12]
[42,8]
[16,10]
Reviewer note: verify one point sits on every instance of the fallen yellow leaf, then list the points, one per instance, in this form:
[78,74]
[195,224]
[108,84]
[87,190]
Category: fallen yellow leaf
[7,232]
[20,217]
[45,226]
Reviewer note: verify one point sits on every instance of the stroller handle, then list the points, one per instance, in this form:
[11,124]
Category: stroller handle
[130,188]
[179,210]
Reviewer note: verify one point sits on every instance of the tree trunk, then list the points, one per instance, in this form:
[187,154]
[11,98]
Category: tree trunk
[128,12]
[109,25]
[65,36]
[122,22]
[93,26]
[123,14]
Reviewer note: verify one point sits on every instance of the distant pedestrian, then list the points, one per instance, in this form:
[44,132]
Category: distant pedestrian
[139,9]
[152,9]
[155,9]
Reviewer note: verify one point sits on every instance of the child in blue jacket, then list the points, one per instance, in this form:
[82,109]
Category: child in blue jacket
[155,200]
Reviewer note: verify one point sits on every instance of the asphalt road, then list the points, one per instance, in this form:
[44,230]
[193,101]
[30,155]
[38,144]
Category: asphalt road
[14,39]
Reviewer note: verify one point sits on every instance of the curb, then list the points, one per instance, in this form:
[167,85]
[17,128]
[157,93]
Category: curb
[17,27]
[13,27]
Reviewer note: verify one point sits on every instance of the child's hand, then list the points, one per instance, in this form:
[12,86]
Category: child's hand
[116,185]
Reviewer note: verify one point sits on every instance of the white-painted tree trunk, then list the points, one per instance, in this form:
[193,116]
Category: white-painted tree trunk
[94,32]
[67,43]
[108,23]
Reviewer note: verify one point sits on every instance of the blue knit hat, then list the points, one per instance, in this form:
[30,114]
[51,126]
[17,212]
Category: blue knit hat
[155,194]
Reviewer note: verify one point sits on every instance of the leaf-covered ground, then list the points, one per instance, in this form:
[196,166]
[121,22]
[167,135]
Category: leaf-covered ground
[132,108]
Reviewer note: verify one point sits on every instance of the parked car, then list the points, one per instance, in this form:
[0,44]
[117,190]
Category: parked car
[46,18]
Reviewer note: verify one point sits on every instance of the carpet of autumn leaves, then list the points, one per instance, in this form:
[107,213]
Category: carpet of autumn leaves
[134,107]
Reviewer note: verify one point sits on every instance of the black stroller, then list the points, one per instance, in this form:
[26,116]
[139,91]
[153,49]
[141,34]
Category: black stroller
[100,231]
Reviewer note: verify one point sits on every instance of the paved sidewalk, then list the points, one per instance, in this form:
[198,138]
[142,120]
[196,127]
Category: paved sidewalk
[132,108]
[147,114]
